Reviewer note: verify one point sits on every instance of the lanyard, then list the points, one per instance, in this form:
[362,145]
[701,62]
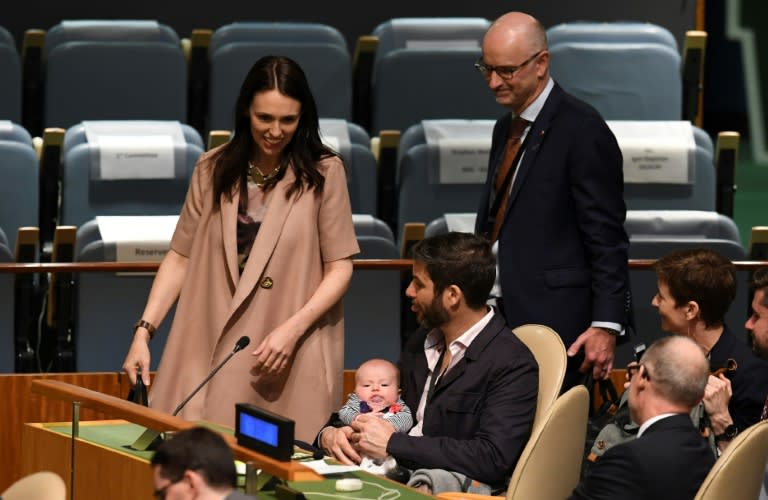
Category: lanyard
[434,377]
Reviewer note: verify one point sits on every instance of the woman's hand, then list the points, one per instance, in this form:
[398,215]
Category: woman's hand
[275,351]
[137,359]
[717,396]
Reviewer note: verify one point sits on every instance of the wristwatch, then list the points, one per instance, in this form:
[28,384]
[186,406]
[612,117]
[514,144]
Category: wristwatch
[729,433]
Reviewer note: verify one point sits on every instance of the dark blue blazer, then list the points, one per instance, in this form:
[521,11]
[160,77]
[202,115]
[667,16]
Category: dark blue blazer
[749,382]
[669,462]
[481,412]
[562,244]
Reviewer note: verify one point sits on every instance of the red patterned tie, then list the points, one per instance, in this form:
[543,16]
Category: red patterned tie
[764,416]
[510,152]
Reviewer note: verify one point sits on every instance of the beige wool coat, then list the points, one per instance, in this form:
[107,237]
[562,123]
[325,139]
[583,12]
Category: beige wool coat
[217,306]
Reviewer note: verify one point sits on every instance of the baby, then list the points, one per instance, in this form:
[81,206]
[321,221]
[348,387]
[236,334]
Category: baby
[377,390]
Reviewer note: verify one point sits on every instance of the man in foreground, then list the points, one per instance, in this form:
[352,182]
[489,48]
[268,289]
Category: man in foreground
[195,464]
[669,459]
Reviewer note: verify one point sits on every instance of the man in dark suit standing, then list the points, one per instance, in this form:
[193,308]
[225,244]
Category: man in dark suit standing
[669,459]
[553,202]
[470,382]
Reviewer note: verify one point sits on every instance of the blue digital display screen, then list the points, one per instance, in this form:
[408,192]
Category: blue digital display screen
[258,429]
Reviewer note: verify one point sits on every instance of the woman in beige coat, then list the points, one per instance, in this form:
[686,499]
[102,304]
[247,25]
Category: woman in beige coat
[262,248]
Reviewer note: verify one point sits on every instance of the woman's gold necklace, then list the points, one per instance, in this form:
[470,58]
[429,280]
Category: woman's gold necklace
[259,178]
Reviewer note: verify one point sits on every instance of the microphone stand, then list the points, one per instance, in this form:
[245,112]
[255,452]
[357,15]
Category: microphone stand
[205,381]
[151,439]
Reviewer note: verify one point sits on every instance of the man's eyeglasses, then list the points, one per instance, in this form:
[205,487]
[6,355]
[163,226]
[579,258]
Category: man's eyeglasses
[632,369]
[504,72]
[160,493]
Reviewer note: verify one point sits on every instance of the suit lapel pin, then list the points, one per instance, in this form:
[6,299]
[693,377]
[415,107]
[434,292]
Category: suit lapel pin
[536,146]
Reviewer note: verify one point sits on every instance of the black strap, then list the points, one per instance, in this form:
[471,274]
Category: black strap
[434,377]
[433,382]
[496,199]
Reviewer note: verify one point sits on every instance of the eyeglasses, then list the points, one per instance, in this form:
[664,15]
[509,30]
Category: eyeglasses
[504,72]
[632,369]
[160,493]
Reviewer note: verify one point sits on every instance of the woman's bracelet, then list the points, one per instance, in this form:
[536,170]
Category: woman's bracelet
[145,324]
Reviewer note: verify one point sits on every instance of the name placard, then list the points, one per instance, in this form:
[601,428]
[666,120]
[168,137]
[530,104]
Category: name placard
[141,149]
[459,150]
[464,160]
[138,238]
[656,152]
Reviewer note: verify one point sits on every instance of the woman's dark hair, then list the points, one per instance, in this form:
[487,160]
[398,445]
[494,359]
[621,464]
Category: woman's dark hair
[700,275]
[305,148]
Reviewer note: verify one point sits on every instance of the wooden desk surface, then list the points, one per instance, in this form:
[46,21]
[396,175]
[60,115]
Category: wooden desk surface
[105,468]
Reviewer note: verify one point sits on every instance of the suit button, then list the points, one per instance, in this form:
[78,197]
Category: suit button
[267,283]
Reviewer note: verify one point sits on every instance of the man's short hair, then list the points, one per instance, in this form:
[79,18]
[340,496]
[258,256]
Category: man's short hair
[198,449]
[760,282]
[461,259]
[702,276]
[676,379]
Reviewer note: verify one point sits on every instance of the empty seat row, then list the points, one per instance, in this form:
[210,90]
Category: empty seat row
[130,168]
[143,167]
[442,167]
[407,70]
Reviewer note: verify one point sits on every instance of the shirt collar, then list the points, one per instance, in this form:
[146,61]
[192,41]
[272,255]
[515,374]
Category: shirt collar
[652,421]
[532,111]
[434,340]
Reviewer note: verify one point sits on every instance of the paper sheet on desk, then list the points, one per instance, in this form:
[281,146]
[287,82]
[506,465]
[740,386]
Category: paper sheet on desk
[324,469]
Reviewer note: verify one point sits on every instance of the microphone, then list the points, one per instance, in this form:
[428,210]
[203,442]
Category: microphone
[149,440]
[239,346]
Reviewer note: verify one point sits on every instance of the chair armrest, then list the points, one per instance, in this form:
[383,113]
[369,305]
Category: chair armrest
[726,155]
[693,75]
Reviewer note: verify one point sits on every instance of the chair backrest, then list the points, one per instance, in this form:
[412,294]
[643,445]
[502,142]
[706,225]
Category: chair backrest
[698,192]
[353,144]
[462,222]
[113,70]
[319,49]
[738,473]
[7,301]
[422,65]
[19,175]
[442,168]
[626,71]
[555,446]
[372,303]
[655,233]
[102,173]
[610,32]
[10,81]
[548,349]
[37,486]
[107,299]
